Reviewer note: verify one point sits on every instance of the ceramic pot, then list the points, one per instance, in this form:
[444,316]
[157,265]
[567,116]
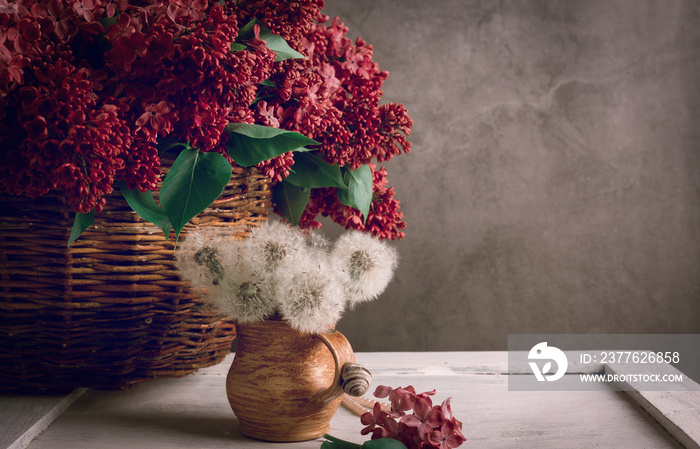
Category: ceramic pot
[285,385]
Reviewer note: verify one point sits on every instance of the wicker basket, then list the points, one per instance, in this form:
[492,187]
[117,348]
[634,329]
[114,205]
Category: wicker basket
[111,310]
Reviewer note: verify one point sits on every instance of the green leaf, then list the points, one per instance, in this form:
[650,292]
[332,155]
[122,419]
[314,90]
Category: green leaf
[237,47]
[106,22]
[166,144]
[194,181]
[337,443]
[80,224]
[274,42]
[146,207]
[277,44]
[247,31]
[383,443]
[360,189]
[309,170]
[291,200]
[267,83]
[251,144]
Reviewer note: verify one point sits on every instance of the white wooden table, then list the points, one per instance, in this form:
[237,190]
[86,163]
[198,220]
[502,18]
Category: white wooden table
[193,412]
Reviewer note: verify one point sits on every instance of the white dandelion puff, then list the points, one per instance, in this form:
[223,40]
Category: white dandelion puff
[246,295]
[279,269]
[273,245]
[365,264]
[199,259]
[310,299]
[317,241]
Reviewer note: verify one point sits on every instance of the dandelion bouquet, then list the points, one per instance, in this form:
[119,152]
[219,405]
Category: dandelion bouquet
[95,93]
[279,271]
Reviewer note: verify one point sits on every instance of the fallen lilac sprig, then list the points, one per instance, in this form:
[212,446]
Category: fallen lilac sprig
[428,426]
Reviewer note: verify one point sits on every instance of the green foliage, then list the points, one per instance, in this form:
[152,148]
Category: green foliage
[359,191]
[380,443]
[146,207]
[80,224]
[249,145]
[273,41]
[383,443]
[106,22]
[195,180]
[309,170]
[291,200]
[355,187]
[169,145]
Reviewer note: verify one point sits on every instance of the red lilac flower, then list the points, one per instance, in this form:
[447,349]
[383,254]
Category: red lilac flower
[141,166]
[158,116]
[267,115]
[124,27]
[384,219]
[425,427]
[25,33]
[391,428]
[277,168]
[446,408]
[447,437]
[64,19]
[360,130]
[380,423]
[84,8]
[14,10]
[15,67]
[402,399]
[126,49]
[291,20]
[189,9]
[373,419]
[424,417]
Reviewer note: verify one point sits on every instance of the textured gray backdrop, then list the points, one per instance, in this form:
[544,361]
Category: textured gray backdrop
[553,185]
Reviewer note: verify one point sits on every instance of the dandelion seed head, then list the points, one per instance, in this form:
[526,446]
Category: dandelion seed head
[207,256]
[246,295]
[365,265]
[317,241]
[273,245]
[360,262]
[310,299]
[198,259]
[274,253]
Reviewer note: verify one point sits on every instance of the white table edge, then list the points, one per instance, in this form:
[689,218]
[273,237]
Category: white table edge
[41,423]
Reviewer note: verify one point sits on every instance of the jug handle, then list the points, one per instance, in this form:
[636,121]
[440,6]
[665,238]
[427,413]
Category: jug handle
[336,388]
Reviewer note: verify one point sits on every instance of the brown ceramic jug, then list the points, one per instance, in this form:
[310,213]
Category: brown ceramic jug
[285,385]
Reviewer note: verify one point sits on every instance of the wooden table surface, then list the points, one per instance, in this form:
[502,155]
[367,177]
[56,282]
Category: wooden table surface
[192,412]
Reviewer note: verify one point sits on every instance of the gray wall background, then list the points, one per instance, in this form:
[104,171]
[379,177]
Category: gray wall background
[554,182]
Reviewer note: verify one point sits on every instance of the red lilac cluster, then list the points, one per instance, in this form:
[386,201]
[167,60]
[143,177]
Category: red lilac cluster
[89,87]
[429,426]
[384,219]
[333,97]
[290,19]
[83,99]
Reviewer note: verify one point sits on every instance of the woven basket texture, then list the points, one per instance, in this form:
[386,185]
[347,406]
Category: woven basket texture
[110,311]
